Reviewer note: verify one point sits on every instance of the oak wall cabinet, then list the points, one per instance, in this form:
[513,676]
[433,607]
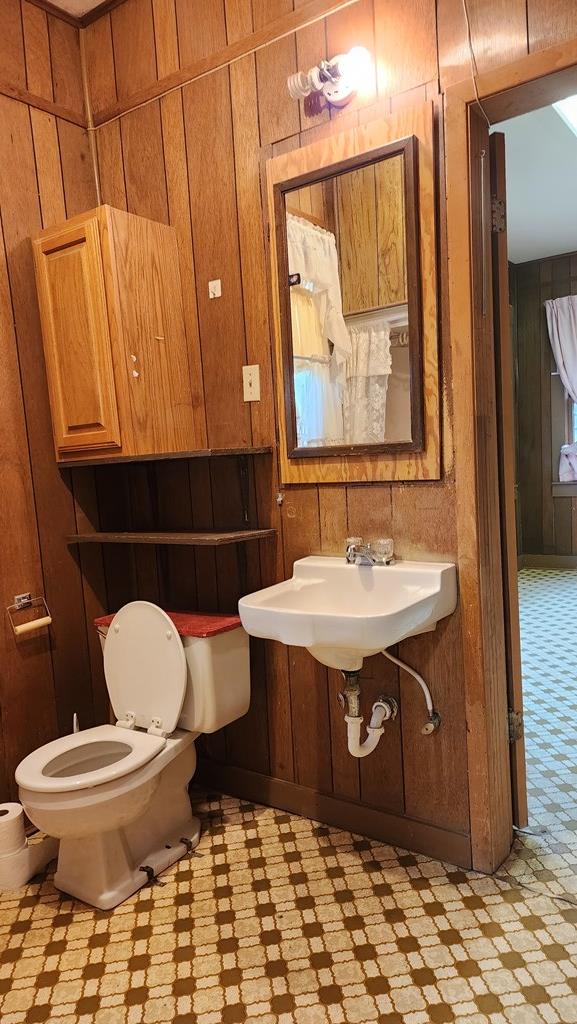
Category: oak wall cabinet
[115,346]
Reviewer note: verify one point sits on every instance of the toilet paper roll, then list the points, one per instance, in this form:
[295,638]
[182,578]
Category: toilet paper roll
[12,837]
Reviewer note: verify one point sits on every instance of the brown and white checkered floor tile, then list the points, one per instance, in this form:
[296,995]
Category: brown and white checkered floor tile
[547,859]
[278,920]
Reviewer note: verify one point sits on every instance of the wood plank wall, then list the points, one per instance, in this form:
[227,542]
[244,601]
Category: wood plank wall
[548,525]
[159,161]
[45,176]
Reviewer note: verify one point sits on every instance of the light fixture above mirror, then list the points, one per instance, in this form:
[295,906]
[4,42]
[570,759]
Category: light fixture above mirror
[337,80]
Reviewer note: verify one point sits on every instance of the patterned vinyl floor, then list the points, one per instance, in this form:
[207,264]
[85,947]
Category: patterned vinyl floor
[547,859]
[277,920]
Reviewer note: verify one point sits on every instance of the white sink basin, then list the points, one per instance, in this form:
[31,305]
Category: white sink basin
[343,613]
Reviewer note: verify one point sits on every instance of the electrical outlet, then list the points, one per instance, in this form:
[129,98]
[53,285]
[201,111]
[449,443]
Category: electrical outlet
[214,289]
[251,383]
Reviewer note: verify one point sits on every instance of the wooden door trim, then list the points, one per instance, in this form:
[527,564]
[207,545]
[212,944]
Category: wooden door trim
[504,92]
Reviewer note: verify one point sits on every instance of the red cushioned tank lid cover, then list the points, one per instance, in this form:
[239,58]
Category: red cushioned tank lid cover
[192,623]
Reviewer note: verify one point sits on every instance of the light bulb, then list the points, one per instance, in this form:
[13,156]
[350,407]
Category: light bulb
[356,67]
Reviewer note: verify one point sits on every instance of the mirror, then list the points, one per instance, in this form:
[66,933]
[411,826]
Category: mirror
[350,307]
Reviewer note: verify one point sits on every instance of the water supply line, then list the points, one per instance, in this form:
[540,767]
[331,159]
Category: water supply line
[434,718]
[383,710]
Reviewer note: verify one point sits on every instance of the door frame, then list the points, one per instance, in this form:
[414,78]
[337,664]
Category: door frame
[535,80]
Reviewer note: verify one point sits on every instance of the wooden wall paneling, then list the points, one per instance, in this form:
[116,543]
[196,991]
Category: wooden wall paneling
[91,563]
[435,767]
[278,114]
[201,29]
[238,572]
[99,57]
[311,48]
[550,22]
[175,513]
[244,107]
[54,503]
[409,29]
[26,676]
[203,519]
[381,773]
[345,769]
[113,497]
[213,746]
[144,170]
[179,216]
[493,44]
[144,516]
[165,36]
[333,532]
[369,511]
[134,50]
[390,203]
[110,165]
[353,26]
[37,50]
[175,167]
[423,522]
[77,168]
[308,678]
[529,426]
[66,66]
[12,60]
[216,254]
[47,154]
[357,234]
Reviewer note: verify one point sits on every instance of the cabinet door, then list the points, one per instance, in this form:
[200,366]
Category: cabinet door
[76,336]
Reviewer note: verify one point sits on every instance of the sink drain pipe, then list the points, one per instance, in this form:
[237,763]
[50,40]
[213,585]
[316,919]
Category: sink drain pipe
[384,709]
[434,718]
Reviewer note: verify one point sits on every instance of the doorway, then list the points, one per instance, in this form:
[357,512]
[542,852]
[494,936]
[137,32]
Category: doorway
[485,331]
[534,215]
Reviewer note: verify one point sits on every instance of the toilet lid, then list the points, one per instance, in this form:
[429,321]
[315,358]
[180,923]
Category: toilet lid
[145,667]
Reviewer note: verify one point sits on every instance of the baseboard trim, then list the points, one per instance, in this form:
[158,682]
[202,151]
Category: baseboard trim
[408,833]
[547,562]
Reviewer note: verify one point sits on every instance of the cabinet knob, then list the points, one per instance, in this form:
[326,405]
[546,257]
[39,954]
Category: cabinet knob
[135,373]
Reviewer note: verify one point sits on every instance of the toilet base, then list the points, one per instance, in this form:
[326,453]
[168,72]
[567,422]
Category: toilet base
[104,868]
[100,870]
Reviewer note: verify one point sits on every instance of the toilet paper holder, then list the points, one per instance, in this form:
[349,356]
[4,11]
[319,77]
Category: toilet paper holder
[23,602]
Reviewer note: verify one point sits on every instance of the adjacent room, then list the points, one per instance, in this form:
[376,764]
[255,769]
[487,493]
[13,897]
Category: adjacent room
[288,530]
[541,221]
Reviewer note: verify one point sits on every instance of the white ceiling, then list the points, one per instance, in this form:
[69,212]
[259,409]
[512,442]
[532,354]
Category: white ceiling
[76,7]
[541,162]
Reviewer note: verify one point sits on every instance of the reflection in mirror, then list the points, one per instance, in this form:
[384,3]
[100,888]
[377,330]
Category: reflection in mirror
[347,257]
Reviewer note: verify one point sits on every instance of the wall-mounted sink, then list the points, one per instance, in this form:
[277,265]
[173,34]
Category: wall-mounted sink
[343,613]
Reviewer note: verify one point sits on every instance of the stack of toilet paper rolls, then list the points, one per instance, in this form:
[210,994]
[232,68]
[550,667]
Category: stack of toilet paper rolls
[20,860]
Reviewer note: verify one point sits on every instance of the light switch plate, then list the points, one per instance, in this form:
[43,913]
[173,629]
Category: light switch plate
[251,383]
[214,289]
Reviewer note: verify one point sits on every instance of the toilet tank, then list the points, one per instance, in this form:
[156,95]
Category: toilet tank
[218,690]
[217,655]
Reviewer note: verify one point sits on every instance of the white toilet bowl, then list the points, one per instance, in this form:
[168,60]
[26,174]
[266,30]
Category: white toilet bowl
[117,796]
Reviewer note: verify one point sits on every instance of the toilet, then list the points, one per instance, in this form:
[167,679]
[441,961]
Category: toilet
[117,795]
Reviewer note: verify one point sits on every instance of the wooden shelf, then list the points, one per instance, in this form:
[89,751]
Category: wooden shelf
[198,453]
[211,538]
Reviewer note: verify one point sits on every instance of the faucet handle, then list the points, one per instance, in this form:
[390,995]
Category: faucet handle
[383,547]
[353,541]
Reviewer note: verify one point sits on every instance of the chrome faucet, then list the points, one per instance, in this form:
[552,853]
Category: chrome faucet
[380,552]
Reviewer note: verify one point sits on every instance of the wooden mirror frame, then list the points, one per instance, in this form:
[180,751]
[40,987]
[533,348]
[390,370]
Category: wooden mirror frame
[407,148]
[419,458]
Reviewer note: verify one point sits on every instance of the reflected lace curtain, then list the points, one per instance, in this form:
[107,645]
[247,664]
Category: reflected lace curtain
[367,376]
[321,343]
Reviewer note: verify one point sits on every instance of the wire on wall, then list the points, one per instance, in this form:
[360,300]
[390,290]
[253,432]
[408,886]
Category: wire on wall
[474,69]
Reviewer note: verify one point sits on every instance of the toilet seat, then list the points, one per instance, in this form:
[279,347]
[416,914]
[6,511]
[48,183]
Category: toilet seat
[145,668]
[65,764]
